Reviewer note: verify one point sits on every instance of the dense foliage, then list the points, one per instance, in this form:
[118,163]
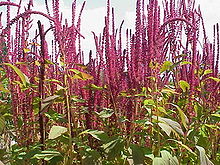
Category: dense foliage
[154,100]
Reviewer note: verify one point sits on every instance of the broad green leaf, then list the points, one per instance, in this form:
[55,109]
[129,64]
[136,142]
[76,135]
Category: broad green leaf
[166,66]
[159,161]
[47,155]
[198,109]
[137,154]
[184,85]
[211,126]
[183,117]
[173,124]
[167,90]
[204,160]
[208,71]
[99,135]
[53,80]
[215,79]
[162,110]
[106,113]
[91,157]
[81,75]
[48,62]
[37,63]
[113,148]
[165,159]
[3,89]
[216,115]
[171,160]
[26,50]
[56,131]
[185,63]
[144,121]
[50,98]
[22,76]
[149,102]
[166,128]
[48,101]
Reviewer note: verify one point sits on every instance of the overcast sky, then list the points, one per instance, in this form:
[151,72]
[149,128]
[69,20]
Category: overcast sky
[95,10]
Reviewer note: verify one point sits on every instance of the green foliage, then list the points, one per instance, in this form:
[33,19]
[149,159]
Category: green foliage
[184,85]
[56,131]
[22,76]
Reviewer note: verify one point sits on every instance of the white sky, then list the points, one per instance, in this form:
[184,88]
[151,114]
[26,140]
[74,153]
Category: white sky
[95,10]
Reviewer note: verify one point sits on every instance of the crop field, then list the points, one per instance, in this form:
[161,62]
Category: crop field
[143,96]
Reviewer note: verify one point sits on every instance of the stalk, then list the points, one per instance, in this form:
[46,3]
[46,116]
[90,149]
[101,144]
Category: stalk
[157,153]
[41,84]
[67,104]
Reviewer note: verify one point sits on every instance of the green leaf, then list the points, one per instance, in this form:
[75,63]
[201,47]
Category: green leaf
[215,79]
[149,102]
[113,148]
[208,71]
[183,117]
[173,124]
[22,76]
[99,135]
[26,50]
[204,160]
[171,160]
[3,89]
[106,113]
[159,161]
[162,110]
[166,128]
[48,101]
[198,109]
[216,115]
[56,131]
[48,62]
[81,75]
[167,90]
[47,155]
[137,154]
[185,63]
[184,85]
[165,159]
[166,66]
[91,157]
[50,98]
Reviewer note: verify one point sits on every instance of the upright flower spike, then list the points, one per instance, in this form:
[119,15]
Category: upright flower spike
[9,30]
[138,30]
[218,51]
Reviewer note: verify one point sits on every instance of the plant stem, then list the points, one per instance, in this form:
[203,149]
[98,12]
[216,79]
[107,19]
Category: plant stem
[41,84]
